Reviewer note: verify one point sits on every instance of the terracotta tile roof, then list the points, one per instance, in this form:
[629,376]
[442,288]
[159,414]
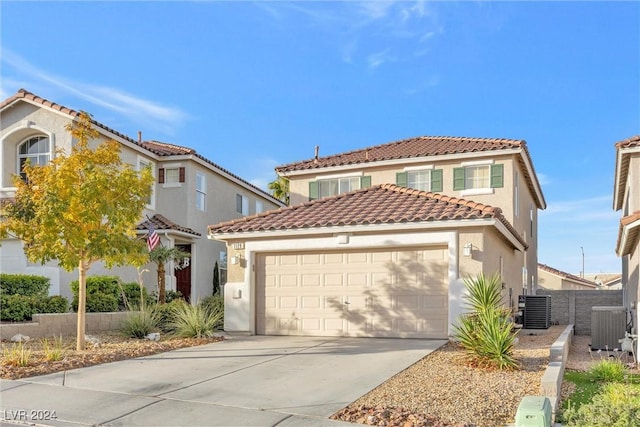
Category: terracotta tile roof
[24,94]
[156,147]
[166,149]
[424,146]
[413,147]
[566,275]
[380,204]
[162,223]
[633,233]
[634,141]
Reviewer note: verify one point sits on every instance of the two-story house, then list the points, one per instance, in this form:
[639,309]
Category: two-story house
[377,241]
[553,279]
[626,197]
[190,192]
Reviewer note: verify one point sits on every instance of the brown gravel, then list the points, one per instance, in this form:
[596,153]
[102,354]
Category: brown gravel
[113,347]
[442,390]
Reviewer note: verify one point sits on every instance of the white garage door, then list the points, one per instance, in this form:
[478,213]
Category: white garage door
[381,293]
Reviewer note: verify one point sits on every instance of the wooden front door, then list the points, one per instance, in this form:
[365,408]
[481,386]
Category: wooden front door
[183,274]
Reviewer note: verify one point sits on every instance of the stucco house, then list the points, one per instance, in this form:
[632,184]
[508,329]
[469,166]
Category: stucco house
[554,279]
[377,241]
[189,193]
[626,198]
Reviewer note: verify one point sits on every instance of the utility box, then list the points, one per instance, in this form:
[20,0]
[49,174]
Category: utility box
[536,311]
[534,411]
[608,325]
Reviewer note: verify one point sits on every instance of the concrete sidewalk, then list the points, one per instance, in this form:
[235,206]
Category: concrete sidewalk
[244,381]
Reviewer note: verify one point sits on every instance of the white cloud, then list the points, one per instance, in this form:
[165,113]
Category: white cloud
[139,110]
[577,206]
[376,59]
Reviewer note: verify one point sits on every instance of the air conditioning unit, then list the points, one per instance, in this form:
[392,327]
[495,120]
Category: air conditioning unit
[536,311]
[608,325]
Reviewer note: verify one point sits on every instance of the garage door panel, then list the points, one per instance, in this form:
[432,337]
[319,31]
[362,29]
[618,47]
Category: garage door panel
[353,293]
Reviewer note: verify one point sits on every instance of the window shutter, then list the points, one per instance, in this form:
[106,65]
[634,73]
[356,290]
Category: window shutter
[181,175]
[458,178]
[161,176]
[401,179]
[436,180]
[365,181]
[497,176]
[313,190]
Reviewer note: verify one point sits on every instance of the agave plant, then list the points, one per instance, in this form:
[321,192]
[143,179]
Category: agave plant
[195,321]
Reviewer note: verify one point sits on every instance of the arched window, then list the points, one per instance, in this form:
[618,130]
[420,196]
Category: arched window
[35,149]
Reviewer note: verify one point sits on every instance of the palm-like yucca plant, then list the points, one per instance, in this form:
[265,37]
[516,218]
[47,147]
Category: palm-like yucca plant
[194,321]
[486,332]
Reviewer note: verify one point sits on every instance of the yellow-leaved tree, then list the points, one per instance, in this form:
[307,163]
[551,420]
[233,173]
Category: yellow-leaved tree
[80,208]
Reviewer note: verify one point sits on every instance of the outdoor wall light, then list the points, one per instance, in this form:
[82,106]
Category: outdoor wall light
[466,250]
[236,259]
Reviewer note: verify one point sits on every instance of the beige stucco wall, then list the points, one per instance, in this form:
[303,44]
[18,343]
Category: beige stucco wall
[551,281]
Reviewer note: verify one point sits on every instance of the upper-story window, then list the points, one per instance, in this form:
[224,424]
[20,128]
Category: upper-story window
[242,204]
[201,192]
[144,163]
[36,150]
[169,175]
[333,186]
[259,206]
[478,177]
[422,179]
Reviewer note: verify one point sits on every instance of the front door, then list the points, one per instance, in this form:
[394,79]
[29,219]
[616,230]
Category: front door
[183,274]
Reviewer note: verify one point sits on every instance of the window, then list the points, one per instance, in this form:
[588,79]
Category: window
[142,164]
[424,179]
[201,192]
[171,175]
[36,150]
[259,206]
[222,267]
[516,195]
[478,177]
[242,204]
[331,187]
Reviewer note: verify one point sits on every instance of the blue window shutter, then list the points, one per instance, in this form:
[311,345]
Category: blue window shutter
[313,190]
[402,179]
[436,180]
[458,179]
[497,176]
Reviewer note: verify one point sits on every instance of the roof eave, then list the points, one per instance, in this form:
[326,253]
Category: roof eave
[628,234]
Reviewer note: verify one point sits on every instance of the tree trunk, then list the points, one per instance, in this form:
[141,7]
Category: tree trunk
[82,305]
[162,292]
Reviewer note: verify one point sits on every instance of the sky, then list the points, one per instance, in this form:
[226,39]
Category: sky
[253,85]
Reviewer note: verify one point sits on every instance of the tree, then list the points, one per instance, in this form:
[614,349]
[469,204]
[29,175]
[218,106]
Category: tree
[280,189]
[216,278]
[80,208]
[161,255]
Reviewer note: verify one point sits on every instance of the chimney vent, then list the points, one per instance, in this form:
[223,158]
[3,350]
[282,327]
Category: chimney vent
[139,137]
[317,151]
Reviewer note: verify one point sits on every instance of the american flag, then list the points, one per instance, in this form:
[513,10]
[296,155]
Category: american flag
[152,238]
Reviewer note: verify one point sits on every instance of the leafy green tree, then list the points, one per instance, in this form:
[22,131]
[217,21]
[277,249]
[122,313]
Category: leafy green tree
[280,189]
[160,255]
[80,208]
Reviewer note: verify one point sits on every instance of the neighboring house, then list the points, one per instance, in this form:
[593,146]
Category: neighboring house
[626,198]
[606,281]
[377,241]
[553,279]
[190,192]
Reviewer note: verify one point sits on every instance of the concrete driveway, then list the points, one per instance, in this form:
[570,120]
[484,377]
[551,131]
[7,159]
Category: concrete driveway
[243,381]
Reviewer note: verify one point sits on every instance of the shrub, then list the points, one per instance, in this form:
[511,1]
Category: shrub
[102,294]
[165,313]
[129,296]
[17,355]
[608,370]
[15,308]
[170,296]
[616,405]
[54,349]
[24,284]
[194,321]
[486,332]
[140,323]
[214,304]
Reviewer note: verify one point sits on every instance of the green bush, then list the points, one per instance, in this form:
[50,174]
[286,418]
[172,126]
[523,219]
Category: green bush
[165,314]
[20,308]
[486,332]
[213,304]
[194,321]
[129,296]
[102,294]
[170,296]
[24,284]
[608,370]
[616,405]
[15,308]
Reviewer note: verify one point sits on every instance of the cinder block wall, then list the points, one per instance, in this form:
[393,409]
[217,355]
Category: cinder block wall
[570,307]
[47,325]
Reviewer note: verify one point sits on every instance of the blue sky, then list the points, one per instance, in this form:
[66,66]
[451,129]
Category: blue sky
[252,85]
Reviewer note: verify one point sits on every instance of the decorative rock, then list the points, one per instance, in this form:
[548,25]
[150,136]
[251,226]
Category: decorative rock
[154,336]
[94,341]
[20,338]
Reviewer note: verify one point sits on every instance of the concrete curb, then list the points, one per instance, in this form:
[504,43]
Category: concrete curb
[551,381]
